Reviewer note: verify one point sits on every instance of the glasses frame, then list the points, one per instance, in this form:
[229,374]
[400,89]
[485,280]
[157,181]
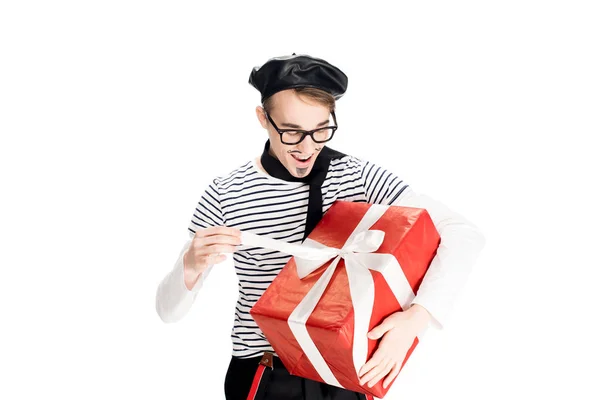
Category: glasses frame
[304,133]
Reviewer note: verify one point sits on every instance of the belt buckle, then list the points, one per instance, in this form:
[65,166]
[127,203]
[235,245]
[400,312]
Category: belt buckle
[267,359]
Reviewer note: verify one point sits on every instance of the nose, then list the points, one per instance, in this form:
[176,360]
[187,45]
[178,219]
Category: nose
[307,146]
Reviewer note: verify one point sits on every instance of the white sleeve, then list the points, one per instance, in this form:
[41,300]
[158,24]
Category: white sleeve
[173,299]
[460,245]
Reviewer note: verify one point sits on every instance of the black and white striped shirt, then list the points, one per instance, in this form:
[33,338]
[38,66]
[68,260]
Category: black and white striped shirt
[251,200]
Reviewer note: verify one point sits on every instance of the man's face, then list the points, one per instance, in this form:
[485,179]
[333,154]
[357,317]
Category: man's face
[292,111]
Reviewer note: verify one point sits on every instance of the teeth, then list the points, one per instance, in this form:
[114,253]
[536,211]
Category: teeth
[303,158]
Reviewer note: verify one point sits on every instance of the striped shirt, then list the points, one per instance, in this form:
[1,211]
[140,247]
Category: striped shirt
[253,201]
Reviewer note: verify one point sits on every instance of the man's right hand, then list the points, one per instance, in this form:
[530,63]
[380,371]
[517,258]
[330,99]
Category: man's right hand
[208,245]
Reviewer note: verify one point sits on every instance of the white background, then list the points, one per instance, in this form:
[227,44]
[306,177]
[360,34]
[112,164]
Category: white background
[114,116]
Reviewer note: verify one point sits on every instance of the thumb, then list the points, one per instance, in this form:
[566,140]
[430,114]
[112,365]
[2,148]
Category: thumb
[379,330]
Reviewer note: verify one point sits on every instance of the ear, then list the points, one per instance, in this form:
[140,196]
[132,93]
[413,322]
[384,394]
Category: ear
[262,119]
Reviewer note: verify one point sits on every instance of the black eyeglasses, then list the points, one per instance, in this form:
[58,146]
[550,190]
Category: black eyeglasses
[295,136]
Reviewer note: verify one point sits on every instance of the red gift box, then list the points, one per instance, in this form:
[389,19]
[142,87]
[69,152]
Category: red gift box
[316,313]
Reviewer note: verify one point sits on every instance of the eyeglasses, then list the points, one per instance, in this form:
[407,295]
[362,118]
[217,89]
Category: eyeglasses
[295,136]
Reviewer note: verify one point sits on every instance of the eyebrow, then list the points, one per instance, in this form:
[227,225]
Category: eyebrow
[288,125]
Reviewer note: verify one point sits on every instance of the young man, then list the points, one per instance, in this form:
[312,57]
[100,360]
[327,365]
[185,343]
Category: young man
[283,194]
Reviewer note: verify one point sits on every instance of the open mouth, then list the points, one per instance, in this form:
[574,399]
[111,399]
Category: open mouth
[302,161]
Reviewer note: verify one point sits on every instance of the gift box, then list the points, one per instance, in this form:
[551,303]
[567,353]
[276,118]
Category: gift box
[361,263]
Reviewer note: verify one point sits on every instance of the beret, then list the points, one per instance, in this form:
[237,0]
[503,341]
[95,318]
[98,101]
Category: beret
[286,72]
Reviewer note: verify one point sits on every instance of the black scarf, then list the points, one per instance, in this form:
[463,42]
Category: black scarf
[315,179]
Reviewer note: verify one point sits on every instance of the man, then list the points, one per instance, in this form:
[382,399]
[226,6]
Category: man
[283,194]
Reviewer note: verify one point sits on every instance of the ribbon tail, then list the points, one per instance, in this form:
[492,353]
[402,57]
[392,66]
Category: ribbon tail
[308,256]
[362,293]
[297,323]
[251,239]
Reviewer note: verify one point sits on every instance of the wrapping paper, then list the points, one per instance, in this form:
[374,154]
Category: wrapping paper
[361,263]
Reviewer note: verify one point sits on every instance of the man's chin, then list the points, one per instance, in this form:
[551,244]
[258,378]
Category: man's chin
[299,172]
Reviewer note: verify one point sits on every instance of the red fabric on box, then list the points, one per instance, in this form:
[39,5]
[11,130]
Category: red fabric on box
[410,237]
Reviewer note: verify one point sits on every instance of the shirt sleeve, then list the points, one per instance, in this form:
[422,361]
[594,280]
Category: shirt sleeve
[173,298]
[460,245]
[208,210]
[381,186]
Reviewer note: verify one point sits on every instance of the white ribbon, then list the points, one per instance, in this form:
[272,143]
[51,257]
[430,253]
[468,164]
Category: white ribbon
[358,254]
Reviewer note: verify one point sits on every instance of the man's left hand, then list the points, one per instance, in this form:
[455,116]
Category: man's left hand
[398,332]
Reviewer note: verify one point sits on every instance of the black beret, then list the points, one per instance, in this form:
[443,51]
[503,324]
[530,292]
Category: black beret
[294,71]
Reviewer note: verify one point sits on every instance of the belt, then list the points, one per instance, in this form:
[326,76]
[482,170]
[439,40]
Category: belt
[267,363]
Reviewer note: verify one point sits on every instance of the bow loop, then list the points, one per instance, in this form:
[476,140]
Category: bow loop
[366,241]
[318,254]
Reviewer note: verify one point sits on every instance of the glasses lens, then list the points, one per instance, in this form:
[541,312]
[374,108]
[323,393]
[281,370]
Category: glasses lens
[291,137]
[294,137]
[323,135]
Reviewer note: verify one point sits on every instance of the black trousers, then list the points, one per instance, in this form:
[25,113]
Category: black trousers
[277,383]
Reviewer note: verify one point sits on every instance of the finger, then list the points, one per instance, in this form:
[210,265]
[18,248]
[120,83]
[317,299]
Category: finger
[382,372]
[379,330]
[369,365]
[395,371]
[375,371]
[215,249]
[375,360]
[216,239]
[218,230]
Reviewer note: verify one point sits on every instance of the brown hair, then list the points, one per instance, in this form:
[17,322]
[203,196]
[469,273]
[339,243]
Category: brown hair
[318,95]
